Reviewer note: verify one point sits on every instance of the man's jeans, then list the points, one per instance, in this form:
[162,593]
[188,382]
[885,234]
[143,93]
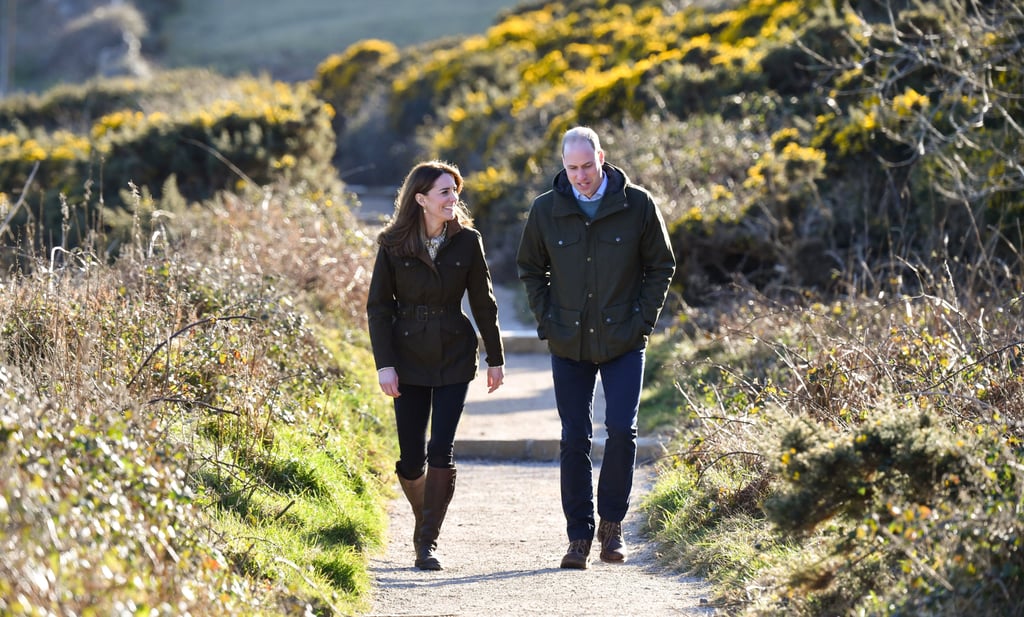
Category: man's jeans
[575,384]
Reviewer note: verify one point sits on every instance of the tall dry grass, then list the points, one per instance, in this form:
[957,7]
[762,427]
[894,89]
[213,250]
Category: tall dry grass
[852,455]
[152,411]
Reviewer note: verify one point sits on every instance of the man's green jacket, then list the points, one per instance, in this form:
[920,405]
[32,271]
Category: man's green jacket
[596,286]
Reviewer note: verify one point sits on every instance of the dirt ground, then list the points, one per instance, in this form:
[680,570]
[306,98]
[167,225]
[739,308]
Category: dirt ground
[501,546]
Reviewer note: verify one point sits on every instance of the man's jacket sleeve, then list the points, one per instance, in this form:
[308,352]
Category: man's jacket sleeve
[659,264]
[534,266]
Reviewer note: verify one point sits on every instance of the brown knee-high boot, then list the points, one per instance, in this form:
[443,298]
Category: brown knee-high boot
[413,490]
[438,493]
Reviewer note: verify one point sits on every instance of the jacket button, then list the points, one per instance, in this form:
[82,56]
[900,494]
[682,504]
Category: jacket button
[617,239]
[577,323]
[591,330]
[407,333]
[607,319]
[560,243]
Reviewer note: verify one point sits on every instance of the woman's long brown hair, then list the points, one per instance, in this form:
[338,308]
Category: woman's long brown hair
[403,234]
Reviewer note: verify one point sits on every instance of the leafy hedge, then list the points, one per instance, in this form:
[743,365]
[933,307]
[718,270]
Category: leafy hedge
[208,138]
[845,78]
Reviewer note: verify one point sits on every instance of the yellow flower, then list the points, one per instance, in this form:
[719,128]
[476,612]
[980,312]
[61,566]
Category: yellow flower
[285,162]
[910,101]
[795,152]
[869,122]
[457,114]
[755,176]
[720,192]
[32,151]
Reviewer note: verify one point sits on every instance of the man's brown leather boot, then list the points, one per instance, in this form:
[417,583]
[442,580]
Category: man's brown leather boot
[609,534]
[578,555]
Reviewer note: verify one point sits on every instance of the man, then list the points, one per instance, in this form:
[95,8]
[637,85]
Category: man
[596,262]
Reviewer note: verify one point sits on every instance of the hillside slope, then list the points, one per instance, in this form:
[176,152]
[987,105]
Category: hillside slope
[69,41]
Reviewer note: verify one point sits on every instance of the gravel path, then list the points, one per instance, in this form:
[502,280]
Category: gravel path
[501,545]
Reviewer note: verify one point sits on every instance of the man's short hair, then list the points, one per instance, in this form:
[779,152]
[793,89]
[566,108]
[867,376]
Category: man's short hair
[581,133]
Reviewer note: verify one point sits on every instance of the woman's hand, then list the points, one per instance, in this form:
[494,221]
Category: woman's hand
[495,377]
[388,379]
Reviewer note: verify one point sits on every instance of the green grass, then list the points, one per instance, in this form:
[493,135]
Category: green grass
[309,538]
[288,39]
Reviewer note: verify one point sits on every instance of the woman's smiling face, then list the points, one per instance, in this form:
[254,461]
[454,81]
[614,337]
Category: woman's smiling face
[439,202]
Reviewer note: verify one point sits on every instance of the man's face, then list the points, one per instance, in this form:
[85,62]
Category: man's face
[583,167]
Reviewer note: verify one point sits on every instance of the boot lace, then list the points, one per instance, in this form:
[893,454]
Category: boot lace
[581,547]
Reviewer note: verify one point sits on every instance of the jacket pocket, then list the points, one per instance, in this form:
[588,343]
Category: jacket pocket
[623,328]
[410,346]
[458,338]
[454,269]
[567,251]
[564,239]
[562,330]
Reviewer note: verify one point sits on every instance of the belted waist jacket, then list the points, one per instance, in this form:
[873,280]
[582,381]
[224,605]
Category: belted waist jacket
[415,312]
[595,286]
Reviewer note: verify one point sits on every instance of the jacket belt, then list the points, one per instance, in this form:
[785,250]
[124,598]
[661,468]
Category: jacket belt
[423,312]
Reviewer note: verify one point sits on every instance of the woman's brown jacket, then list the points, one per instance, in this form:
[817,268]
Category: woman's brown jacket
[415,311]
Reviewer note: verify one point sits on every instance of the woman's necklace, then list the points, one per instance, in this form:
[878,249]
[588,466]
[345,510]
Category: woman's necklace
[435,243]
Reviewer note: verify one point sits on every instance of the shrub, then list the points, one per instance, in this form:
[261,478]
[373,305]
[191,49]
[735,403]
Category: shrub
[866,434]
[345,80]
[256,131]
[157,417]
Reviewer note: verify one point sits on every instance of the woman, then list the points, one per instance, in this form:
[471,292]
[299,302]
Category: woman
[424,346]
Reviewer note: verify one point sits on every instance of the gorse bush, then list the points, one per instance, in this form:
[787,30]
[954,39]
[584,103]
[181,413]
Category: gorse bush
[872,449]
[894,148]
[252,131]
[345,79]
[184,431]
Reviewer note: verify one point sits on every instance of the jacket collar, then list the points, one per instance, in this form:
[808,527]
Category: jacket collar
[454,227]
[614,194]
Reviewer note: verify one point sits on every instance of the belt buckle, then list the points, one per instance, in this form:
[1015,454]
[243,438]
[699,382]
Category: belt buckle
[421,312]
